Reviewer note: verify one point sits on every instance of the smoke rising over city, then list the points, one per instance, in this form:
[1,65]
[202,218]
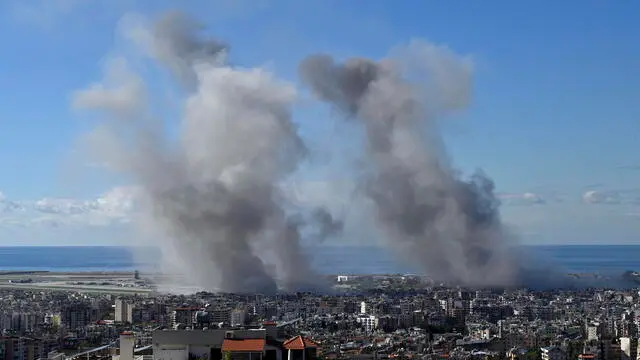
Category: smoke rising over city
[447,226]
[216,191]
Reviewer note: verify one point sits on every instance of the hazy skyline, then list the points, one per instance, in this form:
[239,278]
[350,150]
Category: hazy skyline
[553,118]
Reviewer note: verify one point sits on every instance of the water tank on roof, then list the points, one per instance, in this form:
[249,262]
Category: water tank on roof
[202,316]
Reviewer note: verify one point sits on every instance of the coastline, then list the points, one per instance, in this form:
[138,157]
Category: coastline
[327,260]
[113,282]
[149,284]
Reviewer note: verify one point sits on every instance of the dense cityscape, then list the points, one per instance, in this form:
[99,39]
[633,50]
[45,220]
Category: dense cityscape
[368,317]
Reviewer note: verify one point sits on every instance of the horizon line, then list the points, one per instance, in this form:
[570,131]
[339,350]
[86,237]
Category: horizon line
[304,246]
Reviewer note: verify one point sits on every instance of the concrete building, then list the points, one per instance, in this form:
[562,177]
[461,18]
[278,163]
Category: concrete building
[189,344]
[127,343]
[368,322]
[13,348]
[123,311]
[552,353]
[220,315]
[240,349]
[238,317]
[594,331]
[20,321]
[127,348]
[185,316]
[75,316]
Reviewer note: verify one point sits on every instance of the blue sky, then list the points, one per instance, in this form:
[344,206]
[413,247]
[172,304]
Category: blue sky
[554,119]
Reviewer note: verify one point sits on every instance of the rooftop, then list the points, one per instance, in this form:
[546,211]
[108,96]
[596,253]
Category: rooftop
[299,343]
[244,345]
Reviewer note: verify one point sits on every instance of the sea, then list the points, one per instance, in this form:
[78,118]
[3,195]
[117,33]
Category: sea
[598,259]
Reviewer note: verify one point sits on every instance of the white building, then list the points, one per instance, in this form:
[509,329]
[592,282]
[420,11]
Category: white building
[186,344]
[592,332]
[369,322]
[238,317]
[123,311]
[127,348]
[127,343]
[363,307]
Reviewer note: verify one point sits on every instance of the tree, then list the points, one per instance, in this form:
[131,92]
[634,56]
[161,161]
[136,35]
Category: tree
[226,355]
[532,355]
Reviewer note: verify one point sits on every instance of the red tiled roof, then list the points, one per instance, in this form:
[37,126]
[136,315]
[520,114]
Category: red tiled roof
[299,343]
[244,345]
[269,323]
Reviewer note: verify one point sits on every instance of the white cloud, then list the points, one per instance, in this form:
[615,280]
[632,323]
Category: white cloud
[623,197]
[69,220]
[108,216]
[114,206]
[522,199]
[7,205]
[118,205]
[600,197]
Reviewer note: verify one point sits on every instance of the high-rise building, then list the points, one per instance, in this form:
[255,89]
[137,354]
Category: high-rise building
[75,316]
[185,316]
[368,322]
[123,311]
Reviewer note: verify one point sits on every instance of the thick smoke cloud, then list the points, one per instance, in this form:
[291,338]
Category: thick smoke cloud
[447,225]
[215,192]
[172,42]
[327,226]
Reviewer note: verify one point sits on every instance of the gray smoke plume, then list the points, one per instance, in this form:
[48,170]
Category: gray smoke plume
[447,225]
[327,226]
[172,42]
[215,191]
